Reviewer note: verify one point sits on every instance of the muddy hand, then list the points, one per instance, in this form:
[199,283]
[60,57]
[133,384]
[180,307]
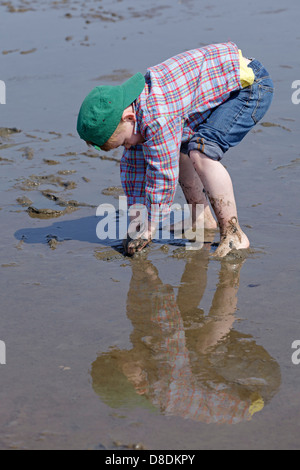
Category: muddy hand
[132,246]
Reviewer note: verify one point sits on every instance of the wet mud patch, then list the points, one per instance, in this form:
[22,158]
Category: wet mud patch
[53,180]
[10,51]
[26,185]
[108,157]
[148,12]
[292,165]
[30,51]
[273,124]
[236,255]
[66,172]
[52,241]
[13,8]
[273,12]
[7,132]
[65,203]
[67,188]
[4,161]
[102,15]
[50,162]
[9,265]
[35,181]
[24,201]
[118,75]
[67,154]
[27,152]
[109,255]
[48,213]
[115,191]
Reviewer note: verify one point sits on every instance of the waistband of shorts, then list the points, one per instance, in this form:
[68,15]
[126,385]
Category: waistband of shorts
[256,66]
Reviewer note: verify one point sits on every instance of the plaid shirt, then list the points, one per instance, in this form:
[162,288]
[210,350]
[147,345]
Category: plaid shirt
[178,96]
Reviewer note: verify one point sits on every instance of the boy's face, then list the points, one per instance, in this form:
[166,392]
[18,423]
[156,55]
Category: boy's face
[127,137]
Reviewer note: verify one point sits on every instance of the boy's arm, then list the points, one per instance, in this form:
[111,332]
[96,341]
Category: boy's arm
[133,175]
[151,178]
[161,153]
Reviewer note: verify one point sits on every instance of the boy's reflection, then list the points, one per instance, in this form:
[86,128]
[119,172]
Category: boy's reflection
[184,362]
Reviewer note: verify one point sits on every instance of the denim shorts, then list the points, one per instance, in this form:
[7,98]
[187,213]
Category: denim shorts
[228,123]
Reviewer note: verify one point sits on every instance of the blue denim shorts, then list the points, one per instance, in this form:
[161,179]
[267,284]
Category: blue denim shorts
[229,123]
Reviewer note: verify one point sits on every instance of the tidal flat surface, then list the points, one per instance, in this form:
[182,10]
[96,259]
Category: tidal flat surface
[171,349]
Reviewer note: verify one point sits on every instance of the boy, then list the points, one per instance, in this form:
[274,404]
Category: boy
[176,123]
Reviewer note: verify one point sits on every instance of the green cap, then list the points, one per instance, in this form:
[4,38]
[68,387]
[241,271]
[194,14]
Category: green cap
[101,111]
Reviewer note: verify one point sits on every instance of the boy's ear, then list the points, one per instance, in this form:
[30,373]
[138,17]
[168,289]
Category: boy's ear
[129,114]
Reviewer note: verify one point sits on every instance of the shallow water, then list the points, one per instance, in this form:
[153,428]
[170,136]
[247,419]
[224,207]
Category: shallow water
[172,349]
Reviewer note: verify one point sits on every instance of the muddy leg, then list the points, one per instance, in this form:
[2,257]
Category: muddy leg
[194,193]
[218,186]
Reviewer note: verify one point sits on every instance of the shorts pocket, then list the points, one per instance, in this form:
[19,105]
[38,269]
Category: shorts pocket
[264,100]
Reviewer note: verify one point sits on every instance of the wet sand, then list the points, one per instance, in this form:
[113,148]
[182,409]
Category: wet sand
[171,349]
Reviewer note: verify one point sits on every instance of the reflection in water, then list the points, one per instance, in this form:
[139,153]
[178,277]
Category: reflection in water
[183,362]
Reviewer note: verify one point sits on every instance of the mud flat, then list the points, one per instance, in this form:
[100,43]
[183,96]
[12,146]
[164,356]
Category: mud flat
[169,349]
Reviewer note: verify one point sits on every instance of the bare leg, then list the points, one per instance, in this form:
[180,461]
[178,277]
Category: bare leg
[194,193]
[218,186]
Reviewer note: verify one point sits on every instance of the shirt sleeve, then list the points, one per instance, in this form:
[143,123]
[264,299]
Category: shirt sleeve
[133,175]
[161,154]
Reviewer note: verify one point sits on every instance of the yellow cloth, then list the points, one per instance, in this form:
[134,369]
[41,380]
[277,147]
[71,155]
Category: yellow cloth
[247,74]
[257,405]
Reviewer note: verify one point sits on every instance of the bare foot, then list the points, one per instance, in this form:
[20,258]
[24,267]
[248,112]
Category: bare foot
[233,238]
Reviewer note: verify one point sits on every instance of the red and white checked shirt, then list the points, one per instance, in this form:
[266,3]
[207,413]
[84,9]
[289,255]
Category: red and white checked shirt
[178,96]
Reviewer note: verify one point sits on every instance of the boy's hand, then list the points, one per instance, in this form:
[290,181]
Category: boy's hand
[133,245]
